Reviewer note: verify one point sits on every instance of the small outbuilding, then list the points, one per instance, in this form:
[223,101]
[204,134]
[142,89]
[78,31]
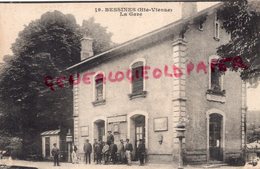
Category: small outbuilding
[55,136]
[48,139]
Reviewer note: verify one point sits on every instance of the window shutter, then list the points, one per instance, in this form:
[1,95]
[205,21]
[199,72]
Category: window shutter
[215,76]
[137,76]
[99,87]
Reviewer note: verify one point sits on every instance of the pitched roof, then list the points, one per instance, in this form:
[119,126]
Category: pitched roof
[50,132]
[145,39]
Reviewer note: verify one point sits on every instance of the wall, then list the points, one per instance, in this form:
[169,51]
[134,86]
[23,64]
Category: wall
[201,46]
[156,104]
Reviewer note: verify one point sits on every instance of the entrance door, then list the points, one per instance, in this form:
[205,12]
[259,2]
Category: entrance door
[215,139]
[47,146]
[99,130]
[139,131]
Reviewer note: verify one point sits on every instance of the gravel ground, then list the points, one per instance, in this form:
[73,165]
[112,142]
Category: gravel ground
[49,165]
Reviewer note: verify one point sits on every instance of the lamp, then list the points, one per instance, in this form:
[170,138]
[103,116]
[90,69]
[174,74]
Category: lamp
[160,138]
[180,129]
[69,141]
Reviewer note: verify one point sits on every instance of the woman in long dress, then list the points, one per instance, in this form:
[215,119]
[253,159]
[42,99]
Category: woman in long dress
[74,156]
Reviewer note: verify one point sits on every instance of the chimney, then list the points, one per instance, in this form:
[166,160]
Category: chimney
[188,9]
[86,48]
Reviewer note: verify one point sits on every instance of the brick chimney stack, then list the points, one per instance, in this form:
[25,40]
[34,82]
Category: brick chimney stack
[188,9]
[86,47]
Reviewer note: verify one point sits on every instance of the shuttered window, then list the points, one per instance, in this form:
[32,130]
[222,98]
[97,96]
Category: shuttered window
[137,77]
[215,76]
[99,87]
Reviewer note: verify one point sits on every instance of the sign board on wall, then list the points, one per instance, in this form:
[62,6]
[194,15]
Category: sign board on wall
[116,119]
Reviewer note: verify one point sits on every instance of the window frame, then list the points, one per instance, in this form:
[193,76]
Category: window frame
[94,87]
[200,26]
[131,67]
[209,70]
[216,28]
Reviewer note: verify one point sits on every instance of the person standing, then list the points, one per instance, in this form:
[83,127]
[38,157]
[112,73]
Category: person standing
[74,154]
[94,150]
[88,150]
[105,152]
[98,152]
[110,138]
[121,151]
[113,151]
[128,151]
[55,153]
[141,151]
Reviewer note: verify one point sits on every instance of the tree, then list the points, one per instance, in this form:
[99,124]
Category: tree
[242,20]
[45,47]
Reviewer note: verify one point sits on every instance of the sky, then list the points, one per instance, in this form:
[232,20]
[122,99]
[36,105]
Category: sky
[14,16]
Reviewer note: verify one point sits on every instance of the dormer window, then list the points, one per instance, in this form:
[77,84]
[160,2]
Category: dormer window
[201,26]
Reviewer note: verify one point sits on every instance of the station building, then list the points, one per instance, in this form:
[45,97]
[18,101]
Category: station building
[212,105]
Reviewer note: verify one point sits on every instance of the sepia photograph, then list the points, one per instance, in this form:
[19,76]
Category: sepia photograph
[115,84]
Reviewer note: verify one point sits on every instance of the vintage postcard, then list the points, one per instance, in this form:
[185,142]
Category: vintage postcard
[130,84]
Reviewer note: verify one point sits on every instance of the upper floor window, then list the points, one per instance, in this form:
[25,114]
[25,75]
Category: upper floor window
[216,28]
[99,89]
[99,86]
[137,77]
[216,90]
[216,77]
[201,26]
[138,82]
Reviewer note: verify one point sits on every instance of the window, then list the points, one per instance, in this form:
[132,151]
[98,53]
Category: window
[216,78]
[201,26]
[99,89]
[137,87]
[99,86]
[137,77]
[216,28]
[216,90]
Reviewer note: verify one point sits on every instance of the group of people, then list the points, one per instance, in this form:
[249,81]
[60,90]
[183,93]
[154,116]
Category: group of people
[110,152]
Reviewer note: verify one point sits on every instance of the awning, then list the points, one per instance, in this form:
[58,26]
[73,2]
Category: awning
[50,132]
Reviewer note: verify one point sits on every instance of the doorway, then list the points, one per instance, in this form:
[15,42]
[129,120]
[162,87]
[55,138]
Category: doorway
[99,129]
[47,147]
[138,132]
[215,137]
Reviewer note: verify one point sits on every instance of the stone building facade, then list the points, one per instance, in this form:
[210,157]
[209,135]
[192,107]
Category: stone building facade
[177,85]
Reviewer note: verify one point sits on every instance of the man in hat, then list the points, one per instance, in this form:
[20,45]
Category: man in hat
[110,138]
[88,150]
[128,151]
[55,153]
[105,151]
[98,152]
[121,151]
[113,151]
[141,151]
[94,150]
